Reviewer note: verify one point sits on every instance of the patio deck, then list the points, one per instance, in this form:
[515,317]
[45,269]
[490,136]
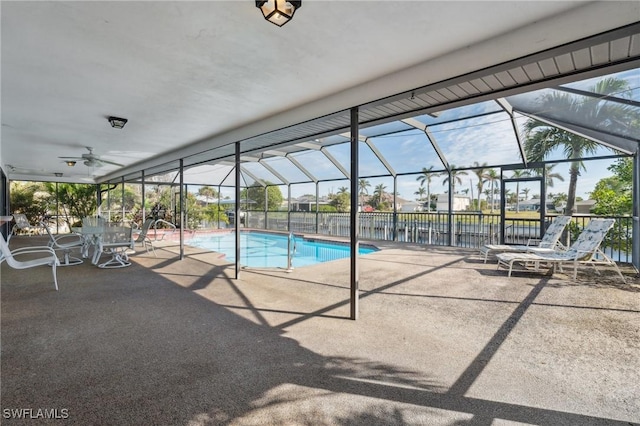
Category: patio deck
[442,339]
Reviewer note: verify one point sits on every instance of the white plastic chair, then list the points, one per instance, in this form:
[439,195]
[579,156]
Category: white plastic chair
[65,243]
[48,258]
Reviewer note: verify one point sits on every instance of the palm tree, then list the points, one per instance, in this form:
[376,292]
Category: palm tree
[363,184]
[420,193]
[379,193]
[343,190]
[480,170]
[549,175]
[542,139]
[425,177]
[207,192]
[517,174]
[455,178]
[492,177]
[526,192]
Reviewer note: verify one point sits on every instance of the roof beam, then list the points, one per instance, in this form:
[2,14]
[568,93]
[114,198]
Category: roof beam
[630,147]
[273,171]
[383,160]
[436,147]
[335,162]
[609,98]
[252,176]
[301,168]
[508,108]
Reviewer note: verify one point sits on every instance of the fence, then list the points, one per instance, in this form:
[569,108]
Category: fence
[466,229]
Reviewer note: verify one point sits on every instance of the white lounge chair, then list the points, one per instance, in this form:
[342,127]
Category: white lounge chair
[65,243]
[47,257]
[550,241]
[584,251]
[143,238]
[22,225]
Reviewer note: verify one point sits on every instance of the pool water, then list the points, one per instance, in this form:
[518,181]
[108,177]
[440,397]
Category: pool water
[265,250]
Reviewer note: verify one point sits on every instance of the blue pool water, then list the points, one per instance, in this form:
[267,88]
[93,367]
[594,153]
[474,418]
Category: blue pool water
[264,250]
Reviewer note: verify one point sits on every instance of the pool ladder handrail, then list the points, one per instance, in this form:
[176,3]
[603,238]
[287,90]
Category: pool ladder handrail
[291,250]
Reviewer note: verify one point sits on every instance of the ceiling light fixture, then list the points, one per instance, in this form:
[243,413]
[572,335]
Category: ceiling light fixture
[117,123]
[278,12]
[70,163]
[58,174]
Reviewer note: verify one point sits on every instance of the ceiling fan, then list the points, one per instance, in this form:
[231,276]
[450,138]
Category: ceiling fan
[91,159]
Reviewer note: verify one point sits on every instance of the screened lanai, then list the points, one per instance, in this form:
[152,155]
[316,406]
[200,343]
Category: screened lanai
[440,143]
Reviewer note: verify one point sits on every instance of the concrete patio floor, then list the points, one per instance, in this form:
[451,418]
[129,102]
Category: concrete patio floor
[442,339]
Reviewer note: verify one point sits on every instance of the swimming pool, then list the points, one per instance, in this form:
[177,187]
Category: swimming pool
[266,250]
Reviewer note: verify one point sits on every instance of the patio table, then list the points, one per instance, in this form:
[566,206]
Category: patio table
[111,239]
[91,236]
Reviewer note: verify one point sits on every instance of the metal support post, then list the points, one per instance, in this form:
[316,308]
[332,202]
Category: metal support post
[181,209]
[355,244]
[237,211]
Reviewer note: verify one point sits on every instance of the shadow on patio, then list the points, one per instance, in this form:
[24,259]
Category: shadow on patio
[178,342]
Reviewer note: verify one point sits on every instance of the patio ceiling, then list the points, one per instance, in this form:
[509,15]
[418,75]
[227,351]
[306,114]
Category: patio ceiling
[192,85]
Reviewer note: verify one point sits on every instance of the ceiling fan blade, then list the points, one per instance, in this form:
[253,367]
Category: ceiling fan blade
[71,158]
[100,160]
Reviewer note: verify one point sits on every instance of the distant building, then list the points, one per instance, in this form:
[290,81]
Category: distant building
[304,203]
[460,202]
[585,206]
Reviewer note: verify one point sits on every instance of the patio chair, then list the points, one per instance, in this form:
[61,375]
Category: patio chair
[47,257]
[22,225]
[550,241]
[116,240]
[65,243]
[143,238]
[584,251]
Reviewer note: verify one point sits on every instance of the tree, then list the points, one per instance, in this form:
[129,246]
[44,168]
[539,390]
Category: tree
[492,177]
[549,175]
[208,192]
[31,199]
[76,200]
[378,195]
[425,177]
[517,174]
[343,190]
[257,193]
[526,192]
[363,188]
[341,201]
[542,139]
[420,193]
[455,178]
[613,195]
[480,171]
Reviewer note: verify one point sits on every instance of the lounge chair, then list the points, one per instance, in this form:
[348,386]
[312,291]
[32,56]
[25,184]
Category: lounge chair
[143,238]
[47,257]
[550,241]
[22,225]
[65,243]
[584,251]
